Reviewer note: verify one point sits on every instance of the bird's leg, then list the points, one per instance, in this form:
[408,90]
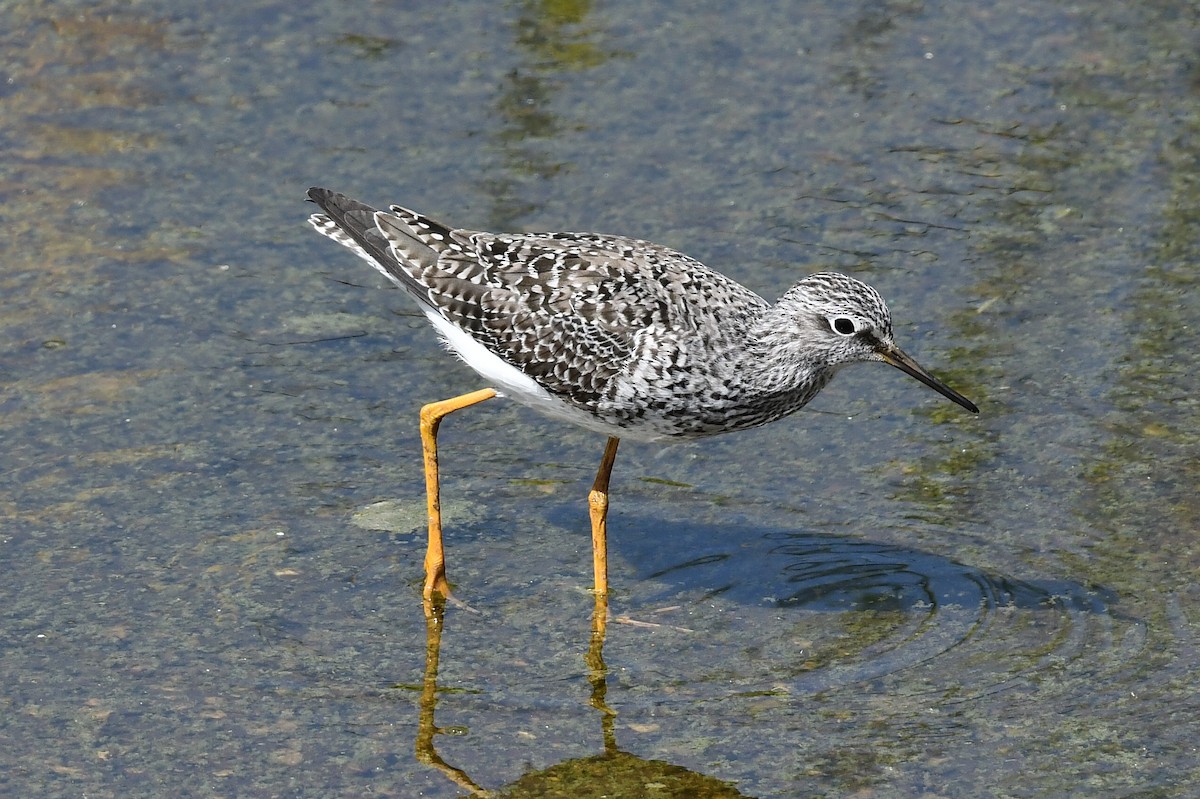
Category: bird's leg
[598,509]
[435,556]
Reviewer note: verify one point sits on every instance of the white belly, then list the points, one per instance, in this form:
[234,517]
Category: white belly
[510,381]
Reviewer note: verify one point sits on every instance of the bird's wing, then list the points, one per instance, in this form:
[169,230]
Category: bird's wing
[568,309]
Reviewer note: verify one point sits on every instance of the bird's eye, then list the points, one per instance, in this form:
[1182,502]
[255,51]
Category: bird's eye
[843,326]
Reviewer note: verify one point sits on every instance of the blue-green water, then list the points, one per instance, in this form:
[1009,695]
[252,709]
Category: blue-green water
[211,502]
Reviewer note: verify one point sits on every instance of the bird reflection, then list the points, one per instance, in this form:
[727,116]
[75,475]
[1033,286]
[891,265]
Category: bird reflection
[435,616]
[613,772]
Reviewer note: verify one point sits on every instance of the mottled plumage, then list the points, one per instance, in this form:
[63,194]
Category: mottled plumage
[619,335]
[615,334]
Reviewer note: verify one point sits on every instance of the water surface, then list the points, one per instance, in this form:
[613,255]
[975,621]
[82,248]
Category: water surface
[211,503]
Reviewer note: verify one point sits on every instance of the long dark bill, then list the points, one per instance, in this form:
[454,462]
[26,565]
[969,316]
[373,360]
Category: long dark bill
[899,359]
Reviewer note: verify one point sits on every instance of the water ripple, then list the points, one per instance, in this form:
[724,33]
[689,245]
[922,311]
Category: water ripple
[804,614]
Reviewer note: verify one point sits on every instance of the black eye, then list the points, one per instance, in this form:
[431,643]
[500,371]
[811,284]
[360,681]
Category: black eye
[843,326]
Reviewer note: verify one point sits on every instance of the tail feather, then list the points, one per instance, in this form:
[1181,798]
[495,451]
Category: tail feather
[357,226]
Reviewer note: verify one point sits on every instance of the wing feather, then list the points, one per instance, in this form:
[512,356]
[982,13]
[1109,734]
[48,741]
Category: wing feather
[576,312]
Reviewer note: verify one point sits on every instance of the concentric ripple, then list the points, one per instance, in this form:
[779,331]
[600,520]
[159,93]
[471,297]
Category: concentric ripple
[802,613]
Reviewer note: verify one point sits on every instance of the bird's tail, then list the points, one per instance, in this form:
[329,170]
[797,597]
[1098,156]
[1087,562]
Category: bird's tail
[396,243]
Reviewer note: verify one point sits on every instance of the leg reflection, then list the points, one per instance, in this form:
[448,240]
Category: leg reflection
[598,672]
[611,773]
[435,614]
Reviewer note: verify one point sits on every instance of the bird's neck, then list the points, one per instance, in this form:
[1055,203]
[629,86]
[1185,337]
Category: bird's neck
[780,368]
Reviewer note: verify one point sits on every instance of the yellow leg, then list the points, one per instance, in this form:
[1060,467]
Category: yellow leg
[598,509]
[435,556]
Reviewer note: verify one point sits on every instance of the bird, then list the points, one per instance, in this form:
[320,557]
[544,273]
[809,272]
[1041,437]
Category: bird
[614,334]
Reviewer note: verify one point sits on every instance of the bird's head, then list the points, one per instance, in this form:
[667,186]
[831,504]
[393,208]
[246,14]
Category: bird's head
[836,320]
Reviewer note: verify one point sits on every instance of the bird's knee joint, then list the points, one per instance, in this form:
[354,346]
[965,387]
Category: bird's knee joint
[598,499]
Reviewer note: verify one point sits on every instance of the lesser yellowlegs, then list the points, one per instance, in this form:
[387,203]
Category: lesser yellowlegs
[621,336]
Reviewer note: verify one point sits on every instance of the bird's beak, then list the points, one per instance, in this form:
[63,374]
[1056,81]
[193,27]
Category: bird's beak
[889,353]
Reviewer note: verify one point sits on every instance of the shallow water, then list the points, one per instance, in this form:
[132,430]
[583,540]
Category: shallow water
[211,504]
